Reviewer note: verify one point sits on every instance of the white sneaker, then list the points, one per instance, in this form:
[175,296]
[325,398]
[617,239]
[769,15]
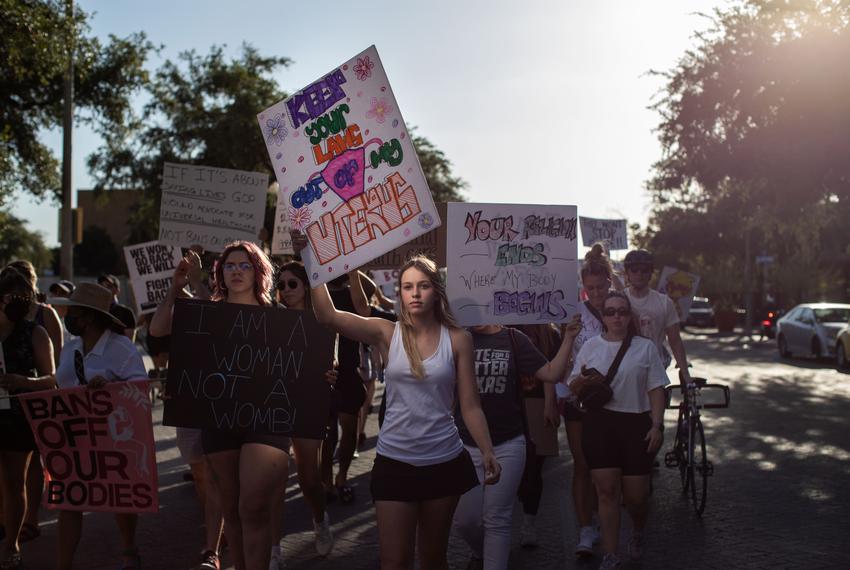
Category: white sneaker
[528,533]
[609,562]
[585,541]
[276,561]
[636,546]
[324,536]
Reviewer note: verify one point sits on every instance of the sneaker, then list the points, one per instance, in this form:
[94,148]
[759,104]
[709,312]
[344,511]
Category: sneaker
[610,562]
[528,533]
[130,560]
[276,561]
[324,536]
[475,563]
[209,561]
[636,545]
[585,541]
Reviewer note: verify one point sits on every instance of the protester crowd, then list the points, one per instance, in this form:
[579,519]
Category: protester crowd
[468,419]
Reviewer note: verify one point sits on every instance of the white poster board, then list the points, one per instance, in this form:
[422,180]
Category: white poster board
[151,267]
[681,287]
[349,175]
[611,232]
[211,206]
[386,279]
[511,263]
[5,403]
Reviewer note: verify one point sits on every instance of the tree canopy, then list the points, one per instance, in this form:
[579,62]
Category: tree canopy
[755,132]
[37,38]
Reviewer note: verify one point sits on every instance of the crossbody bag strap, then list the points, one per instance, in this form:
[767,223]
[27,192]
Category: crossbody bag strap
[612,371]
[593,311]
[519,386]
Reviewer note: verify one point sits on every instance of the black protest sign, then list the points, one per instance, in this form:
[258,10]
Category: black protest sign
[245,368]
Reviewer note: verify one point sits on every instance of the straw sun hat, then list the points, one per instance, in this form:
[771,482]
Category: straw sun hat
[90,296]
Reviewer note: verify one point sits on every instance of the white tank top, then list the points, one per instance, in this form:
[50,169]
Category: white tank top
[419,428]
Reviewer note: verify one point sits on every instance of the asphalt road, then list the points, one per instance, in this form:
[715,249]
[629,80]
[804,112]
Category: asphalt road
[778,498]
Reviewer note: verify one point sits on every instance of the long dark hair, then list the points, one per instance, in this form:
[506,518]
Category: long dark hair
[297,269]
[263,272]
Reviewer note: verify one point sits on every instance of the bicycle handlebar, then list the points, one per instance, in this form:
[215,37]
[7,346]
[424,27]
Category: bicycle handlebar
[701,384]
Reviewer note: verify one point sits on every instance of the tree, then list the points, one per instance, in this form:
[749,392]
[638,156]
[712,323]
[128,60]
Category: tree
[756,148]
[31,93]
[444,185]
[17,242]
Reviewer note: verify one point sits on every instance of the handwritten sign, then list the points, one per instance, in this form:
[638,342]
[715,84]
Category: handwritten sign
[349,175]
[681,287]
[151,266]
[432,244]
[248,369]
[610,232]
[5,403]
[210,206]
[96,446]
[511,263]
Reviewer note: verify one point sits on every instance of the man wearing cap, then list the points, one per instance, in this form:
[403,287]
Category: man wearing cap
[98,355]
[656,313]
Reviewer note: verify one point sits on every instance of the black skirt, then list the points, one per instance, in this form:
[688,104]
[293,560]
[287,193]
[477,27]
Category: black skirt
[394,480]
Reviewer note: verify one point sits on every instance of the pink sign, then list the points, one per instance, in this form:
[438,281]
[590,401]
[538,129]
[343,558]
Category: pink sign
[344,174]
[97,447]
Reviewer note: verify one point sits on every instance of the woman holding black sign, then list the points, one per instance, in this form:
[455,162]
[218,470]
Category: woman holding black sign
[421,468]
[624,422]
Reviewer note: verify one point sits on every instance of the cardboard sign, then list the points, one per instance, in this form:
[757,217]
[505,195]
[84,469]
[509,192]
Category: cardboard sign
[248,369]
[349,175]
[511,263]
[680,286]
[97,447]
[5,403]
[151,266]
[432,244]
[211,206]
[613,233]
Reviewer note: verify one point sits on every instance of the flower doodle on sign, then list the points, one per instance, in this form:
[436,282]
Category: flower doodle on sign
[425,221]
[300,217]
[363,68]
[275,130]
[379,110]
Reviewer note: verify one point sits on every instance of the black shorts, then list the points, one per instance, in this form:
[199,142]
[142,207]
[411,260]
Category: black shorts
[394,480]
[615,440]
[213,441]
[348,394]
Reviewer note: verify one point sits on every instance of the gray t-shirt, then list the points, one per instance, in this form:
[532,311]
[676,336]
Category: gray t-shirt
[498,380]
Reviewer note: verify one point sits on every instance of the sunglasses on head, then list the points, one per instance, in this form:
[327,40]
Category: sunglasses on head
[243,266]
[640,269]
[611,311]
[289,283]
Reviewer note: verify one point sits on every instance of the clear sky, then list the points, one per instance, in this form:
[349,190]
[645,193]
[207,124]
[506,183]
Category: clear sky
[533,101]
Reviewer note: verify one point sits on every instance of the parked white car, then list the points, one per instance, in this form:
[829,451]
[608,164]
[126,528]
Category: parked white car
[811,329]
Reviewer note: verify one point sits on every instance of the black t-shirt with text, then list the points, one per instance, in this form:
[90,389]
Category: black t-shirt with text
[497,372]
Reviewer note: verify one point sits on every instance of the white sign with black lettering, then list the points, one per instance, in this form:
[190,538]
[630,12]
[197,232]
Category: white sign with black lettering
[211,206]
[613,233]
[151,266]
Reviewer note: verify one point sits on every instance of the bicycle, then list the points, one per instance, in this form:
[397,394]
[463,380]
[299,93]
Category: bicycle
[689,450]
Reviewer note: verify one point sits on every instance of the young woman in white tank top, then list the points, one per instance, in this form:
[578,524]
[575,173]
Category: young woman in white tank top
[421,468]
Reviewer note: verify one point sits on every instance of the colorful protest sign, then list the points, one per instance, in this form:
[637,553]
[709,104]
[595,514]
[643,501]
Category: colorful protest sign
[511,263]
[386,279]
[613,233]
[97,447]
[211,206]
[5,403]
[248,369]
[680,286]
[432,244]
[151,267]
[349,175]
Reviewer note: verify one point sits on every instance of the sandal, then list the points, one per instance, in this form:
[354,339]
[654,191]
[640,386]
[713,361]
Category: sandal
[29,532]
[346,494]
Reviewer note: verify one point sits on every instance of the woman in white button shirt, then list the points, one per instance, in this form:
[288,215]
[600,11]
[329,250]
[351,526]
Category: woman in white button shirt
[620,439]
[97,355]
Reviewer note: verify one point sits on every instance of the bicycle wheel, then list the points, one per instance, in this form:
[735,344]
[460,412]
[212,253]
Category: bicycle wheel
[698,467]
[681,448]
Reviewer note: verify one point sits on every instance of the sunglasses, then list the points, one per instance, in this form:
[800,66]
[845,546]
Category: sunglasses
[289,283]
[243,266]
[640,269]
[621,312]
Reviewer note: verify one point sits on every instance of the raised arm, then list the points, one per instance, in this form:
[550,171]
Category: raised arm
[161,321]
[470,404]
[374,331]
[554,370]
[358,296]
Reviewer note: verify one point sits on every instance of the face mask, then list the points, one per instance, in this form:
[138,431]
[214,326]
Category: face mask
[72,323]
[16,309]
